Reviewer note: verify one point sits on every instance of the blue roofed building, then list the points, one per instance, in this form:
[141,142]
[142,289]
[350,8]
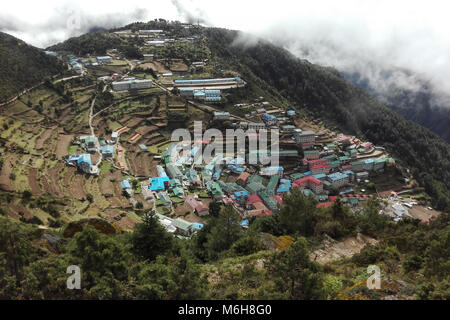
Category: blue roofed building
[241,195]
[158,183]
[285,186]
[269,119]
[107,150]
[338,179]
[126,186]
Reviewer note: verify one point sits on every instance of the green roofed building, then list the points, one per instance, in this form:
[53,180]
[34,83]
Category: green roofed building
[272,185]
[296,176]
[214,188]
[184,227]
[178,192]
[269,201]
[254,187]
[331,158]
[335,164]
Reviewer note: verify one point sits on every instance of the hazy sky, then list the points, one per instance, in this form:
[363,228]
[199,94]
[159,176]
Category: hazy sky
[363,35]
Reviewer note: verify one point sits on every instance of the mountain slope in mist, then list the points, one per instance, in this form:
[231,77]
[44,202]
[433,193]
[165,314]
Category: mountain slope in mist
[324,93]
[420,104]
[22,66]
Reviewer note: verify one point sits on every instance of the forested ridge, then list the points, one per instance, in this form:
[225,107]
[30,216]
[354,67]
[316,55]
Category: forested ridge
[23,66]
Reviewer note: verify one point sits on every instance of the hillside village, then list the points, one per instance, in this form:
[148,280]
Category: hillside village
[323,164]
[93,145]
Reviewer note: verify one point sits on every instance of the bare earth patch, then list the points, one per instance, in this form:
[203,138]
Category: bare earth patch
[332,250]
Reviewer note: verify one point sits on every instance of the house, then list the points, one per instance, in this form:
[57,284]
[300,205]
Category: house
[304,136]
[126,186]
[221,116]
[338,179]
[285,186]
[183,227]
[311,155]
[132,84]
[269,201]
[89,143]
[166,222]
[268,119]
[309,182]
[174,172]
[241,196]
[362,175]
[214,189]
[104,59]
[272,185]
[242,179]
[270,171]
[202,210]
[107,151]
[158,183]
[83,162]
[320,168]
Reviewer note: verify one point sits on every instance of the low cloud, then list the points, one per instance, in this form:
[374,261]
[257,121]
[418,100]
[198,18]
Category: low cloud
[402,43]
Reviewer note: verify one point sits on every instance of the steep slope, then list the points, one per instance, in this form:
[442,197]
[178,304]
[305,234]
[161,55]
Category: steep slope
[22,66]
[324,93]
[420,105]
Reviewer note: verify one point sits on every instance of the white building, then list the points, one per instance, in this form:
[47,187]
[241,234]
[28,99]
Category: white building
[304,136]
[132,84]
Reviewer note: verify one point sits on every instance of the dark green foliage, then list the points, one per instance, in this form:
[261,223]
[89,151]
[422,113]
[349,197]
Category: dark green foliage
[219,235]
[94,43]
[214,209]
[373,254]
[296,276]
[23,66]
[150,239]
[246,245]
[371,222]
[298,214]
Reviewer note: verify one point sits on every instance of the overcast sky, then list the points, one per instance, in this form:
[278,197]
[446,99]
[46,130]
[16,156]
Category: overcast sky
[352,35]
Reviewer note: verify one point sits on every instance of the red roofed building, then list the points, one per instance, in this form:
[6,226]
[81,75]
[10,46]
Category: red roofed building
[324,204]
[318,161]
[202,210]
[309,182]
[259,206]
[279,199]
[320,168]
[252,199]
[332,198]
